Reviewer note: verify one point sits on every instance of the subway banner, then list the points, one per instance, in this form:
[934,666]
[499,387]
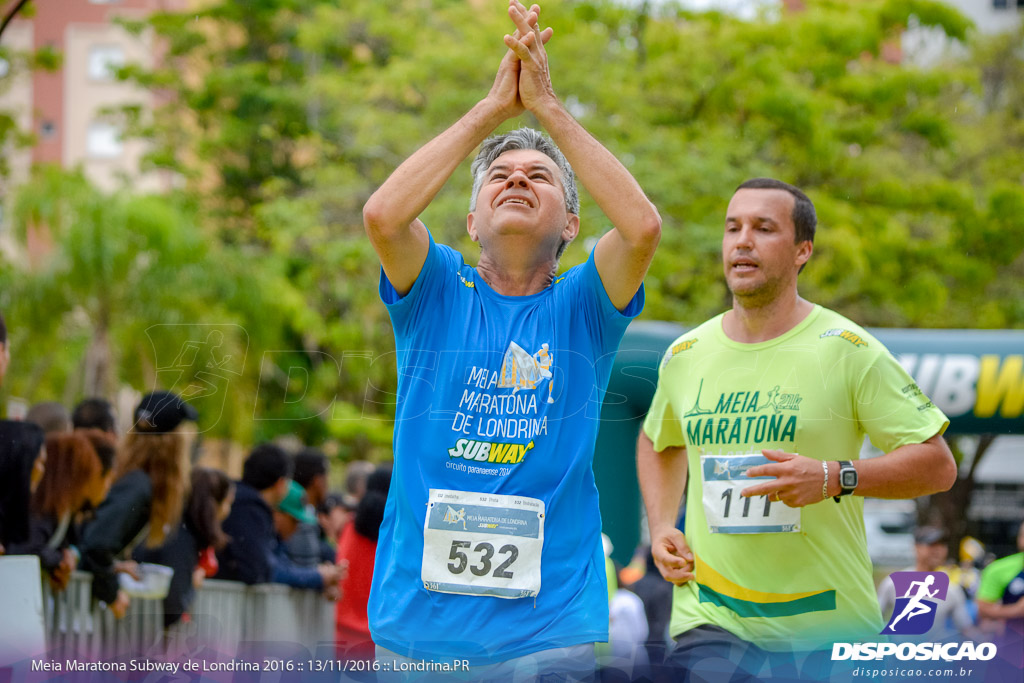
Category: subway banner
[976,377]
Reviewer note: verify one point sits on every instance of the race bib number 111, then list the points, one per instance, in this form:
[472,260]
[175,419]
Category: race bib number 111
[727,512]
[482,544]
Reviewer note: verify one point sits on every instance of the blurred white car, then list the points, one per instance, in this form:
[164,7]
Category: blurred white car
[890,532]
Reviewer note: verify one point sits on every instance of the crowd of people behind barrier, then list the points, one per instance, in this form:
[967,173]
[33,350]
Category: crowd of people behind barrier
[79,495]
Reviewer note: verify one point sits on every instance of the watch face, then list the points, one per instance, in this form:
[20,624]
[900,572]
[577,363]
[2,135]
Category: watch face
[848,479]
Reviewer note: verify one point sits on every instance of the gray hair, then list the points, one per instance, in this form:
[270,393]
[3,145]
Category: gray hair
[524,138]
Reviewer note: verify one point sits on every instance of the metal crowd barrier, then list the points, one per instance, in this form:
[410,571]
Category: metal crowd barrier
[225,617]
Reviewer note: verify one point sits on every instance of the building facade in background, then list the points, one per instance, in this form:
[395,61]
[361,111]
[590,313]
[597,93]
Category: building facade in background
[64,109]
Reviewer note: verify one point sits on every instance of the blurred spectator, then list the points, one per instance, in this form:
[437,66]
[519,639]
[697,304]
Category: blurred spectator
[254,553]
[191,549]
[146,500]
[656,594]
[51,416]
[356,474]
[308,546]
[247,557]
[967,573]
[333,514]
[357,549]
[22,461]
[95,413]
[1001,602]
[290,514]
[624,655]
[105,445]
[311,468]
[931,550]
[74,476]
[627,633]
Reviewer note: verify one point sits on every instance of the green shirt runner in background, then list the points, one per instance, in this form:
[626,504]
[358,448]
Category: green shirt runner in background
[815,390]
[997,580]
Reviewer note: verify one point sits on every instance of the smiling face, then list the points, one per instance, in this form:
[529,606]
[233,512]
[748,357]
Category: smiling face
[522,196]
[760,256]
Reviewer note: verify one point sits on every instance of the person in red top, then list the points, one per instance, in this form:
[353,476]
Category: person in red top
[357,545]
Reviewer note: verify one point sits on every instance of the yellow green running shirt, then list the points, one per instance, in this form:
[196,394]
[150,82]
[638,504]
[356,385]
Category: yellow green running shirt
[782,578]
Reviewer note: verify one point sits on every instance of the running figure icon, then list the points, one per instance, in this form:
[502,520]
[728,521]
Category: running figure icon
[915,607]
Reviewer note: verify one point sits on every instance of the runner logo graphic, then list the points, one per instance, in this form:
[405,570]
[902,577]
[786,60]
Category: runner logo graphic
[914,613]
[453,516]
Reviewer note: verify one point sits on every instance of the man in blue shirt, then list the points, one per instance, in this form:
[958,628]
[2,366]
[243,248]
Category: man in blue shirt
[490,551]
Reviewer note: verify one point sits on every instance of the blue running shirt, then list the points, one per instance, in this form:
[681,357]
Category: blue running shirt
[491,543]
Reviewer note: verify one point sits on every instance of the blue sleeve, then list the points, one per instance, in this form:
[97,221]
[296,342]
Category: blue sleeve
[439,273]
[286,572]
[327,551]
[605,323]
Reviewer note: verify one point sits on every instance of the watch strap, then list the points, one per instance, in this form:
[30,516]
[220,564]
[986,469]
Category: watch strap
[844,466]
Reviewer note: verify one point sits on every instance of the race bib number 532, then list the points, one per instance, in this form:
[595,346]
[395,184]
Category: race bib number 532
[482,544]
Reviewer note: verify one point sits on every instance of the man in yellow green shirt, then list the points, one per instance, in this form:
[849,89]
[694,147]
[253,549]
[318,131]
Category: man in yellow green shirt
[759,417]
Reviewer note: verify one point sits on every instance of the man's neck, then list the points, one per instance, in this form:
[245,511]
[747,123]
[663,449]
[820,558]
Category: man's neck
[750,324]
[513,280]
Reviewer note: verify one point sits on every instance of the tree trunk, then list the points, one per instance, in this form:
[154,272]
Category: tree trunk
[96,381]
[949,509]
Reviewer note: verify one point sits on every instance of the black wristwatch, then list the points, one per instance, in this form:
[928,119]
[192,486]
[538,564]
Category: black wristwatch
[847,478]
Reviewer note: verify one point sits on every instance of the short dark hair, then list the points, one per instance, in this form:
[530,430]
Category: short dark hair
[265,466]
[94,413]
[370,511]
[805,219]
[3,330]
[309,464]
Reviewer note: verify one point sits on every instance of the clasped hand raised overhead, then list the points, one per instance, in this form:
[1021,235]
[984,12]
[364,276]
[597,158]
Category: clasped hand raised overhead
[523,81]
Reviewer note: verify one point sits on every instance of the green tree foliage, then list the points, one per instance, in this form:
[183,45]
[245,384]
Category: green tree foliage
[282,116]
[124,290]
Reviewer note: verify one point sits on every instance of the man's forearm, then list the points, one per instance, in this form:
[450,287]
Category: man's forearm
[415,183]
[995,610]
[906,472]
[611,185]
[662,478]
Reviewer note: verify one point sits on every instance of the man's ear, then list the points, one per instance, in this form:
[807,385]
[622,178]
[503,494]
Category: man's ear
[572,228]
[803,253]
[471,229]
